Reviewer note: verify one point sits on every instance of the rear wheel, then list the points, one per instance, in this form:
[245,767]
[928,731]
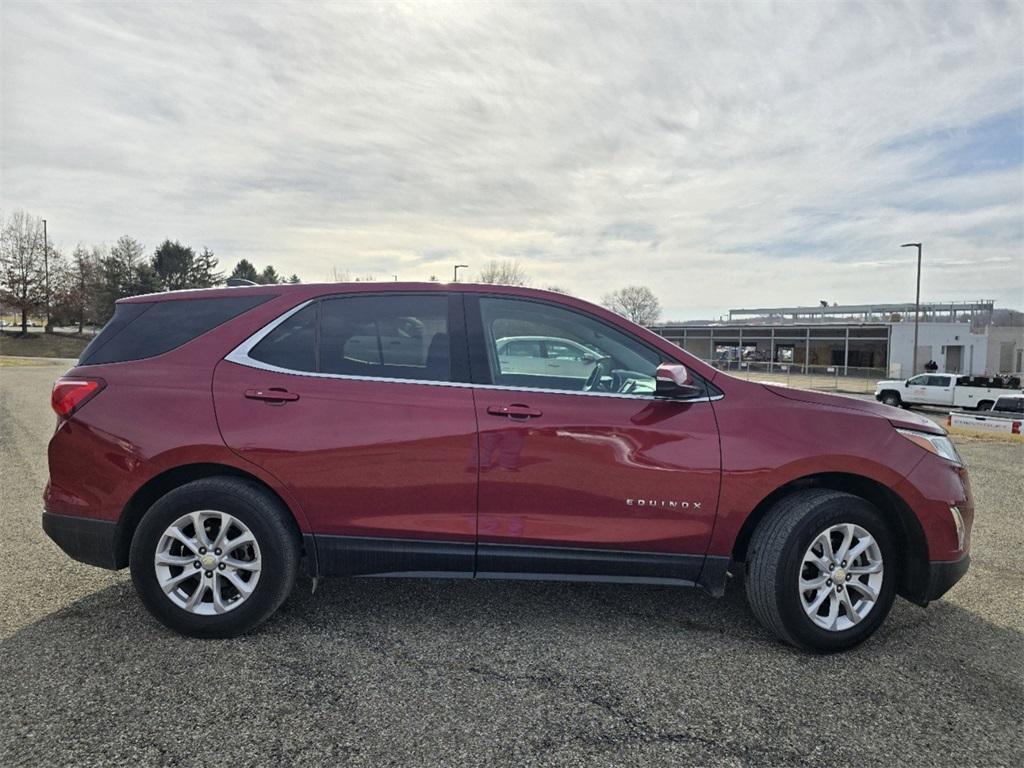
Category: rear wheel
[215,557]
[984,405]
[892,398]
[822,570]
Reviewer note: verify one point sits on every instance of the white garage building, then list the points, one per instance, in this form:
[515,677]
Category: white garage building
[960,337]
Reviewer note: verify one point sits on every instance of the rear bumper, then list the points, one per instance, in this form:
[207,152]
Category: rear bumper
[84,539]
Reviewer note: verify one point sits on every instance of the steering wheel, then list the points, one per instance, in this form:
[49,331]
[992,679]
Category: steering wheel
[593,381]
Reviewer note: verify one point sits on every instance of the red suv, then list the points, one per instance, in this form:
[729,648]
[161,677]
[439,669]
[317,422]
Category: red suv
[219,442]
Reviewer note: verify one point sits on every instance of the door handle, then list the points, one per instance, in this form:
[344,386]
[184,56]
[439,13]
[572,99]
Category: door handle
[514,411]
[272,395]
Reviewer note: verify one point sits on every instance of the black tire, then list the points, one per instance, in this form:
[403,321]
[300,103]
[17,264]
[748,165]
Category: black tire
[984,405]
[271,525]
[774,562]
[892,398]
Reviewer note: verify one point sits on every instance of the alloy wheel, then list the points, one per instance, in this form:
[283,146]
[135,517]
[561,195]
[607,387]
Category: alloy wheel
[207,562]
[841,577]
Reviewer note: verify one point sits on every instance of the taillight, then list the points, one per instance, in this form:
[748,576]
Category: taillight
[71,394]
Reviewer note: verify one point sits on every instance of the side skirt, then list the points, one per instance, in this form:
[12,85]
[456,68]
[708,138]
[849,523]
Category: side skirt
[369,556]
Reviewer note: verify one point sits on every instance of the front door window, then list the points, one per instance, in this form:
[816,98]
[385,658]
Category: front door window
[541,346]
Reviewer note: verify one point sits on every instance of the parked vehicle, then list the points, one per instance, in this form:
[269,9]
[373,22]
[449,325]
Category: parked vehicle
[946,389]
[221,442]
[1004,417]
[545,356]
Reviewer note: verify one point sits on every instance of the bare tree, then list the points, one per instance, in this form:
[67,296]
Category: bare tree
[75,287]
[635,302]
[339,275]
[503,272]
[22,279]
[556,289]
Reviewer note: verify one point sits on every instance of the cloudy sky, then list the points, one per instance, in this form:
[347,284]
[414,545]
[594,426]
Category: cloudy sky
[727,155]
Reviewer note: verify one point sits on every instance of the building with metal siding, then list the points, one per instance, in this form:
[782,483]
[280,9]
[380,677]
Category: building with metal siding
[867,339]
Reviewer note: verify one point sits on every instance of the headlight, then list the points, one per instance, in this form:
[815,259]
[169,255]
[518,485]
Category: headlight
[940,445]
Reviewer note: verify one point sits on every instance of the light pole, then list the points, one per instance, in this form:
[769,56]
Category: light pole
[917,302]
[46,278]
[457,268]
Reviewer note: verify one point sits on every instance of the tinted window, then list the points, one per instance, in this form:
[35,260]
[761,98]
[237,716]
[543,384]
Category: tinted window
[395,337]
[140,330]
[1009,404]
[626,365]
[292,344]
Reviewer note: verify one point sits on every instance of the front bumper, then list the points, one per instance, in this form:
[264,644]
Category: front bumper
[87,540]
[942,575]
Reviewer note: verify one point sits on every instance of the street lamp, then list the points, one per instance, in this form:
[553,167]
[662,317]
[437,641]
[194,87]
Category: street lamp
[457,268]
[46,277]
[917,301]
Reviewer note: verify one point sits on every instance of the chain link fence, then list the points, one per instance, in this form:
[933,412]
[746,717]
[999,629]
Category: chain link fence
[837,378]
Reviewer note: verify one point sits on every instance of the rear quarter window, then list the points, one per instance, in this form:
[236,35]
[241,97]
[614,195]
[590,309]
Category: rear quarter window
[147,329]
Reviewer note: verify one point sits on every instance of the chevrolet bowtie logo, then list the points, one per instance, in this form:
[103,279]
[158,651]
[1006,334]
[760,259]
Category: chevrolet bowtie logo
[668,504]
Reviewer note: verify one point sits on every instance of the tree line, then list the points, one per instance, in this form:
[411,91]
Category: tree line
[635,302]
[80,288]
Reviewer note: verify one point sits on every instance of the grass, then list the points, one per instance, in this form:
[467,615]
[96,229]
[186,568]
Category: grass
[39,344]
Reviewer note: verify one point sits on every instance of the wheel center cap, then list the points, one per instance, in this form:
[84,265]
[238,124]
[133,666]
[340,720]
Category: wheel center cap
[840,576]
[209,562]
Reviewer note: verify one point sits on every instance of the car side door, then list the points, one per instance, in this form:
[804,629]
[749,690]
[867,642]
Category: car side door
[941,388]
[361,405]
[606,482]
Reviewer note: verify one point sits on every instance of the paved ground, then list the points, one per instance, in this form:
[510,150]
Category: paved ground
[385,672]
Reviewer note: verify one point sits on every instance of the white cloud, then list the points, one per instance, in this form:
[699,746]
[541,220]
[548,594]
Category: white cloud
[727,155]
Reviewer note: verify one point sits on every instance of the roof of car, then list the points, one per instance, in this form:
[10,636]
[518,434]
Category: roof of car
[317,289]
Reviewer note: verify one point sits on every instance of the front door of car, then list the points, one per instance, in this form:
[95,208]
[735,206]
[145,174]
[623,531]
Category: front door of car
[590,476]
[355,403]
[931,389]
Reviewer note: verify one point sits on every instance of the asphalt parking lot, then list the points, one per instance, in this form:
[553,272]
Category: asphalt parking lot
[391,672]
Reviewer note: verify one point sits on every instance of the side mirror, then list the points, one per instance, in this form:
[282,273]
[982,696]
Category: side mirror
[671,380]
[906,383]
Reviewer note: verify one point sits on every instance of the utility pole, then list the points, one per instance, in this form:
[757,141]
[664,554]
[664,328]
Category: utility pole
[917,302]
[46,278]
[457,268]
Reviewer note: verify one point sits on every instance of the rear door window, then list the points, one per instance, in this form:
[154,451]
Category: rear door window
[394,337]
[145,329]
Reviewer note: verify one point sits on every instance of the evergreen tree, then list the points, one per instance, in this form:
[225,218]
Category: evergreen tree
[173,263]
[294,279]
[204,270]
[245,270]
[269,276]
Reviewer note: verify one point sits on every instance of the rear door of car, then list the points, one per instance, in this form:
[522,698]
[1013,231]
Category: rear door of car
[361,405]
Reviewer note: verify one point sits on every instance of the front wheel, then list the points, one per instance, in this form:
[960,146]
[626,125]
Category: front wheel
[215,557]
[822,570]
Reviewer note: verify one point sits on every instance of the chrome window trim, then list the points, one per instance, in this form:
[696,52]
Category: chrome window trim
[240,356]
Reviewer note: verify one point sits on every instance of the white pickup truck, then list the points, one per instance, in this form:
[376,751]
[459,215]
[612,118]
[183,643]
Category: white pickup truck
[1004,418]
[948,389]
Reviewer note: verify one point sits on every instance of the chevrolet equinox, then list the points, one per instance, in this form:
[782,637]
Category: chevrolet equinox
[220,442]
